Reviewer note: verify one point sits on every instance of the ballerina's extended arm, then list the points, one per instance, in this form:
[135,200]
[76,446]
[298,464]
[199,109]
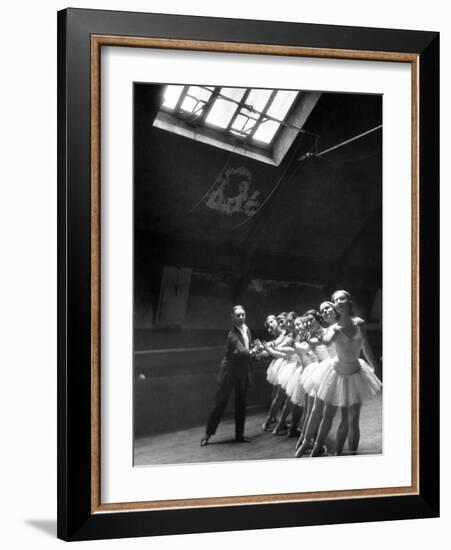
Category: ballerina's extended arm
[331,334]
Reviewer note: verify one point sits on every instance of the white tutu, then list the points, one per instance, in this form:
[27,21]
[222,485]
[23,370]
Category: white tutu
[344,390]
[287,370]
[273,369]
[322,353]
[294,390]
[312,376]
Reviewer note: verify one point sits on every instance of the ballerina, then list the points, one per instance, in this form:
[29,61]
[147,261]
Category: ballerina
[348,381]
[295,391]
[293,357]
[287,369]
[329,315]
[311,376]
[276,331]
[278,395]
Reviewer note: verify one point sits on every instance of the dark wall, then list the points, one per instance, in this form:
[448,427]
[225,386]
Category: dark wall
[172,394]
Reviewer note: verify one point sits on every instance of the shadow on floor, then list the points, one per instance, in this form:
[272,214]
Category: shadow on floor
[46,526]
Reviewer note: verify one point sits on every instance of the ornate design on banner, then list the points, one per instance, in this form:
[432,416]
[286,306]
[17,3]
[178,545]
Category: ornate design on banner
[234,193]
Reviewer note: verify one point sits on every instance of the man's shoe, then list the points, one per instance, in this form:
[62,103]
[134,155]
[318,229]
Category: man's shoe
[242,439]
[204,441]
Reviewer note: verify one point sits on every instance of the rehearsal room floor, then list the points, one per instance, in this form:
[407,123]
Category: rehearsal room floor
[183,446]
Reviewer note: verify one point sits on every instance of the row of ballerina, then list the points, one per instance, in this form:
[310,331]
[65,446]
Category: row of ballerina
[316,369]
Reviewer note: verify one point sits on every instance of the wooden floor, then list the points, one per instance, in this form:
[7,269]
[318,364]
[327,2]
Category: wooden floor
[183,446]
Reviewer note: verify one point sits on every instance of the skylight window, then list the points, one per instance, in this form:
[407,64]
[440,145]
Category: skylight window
[222,110]
[171,96]
[195,99]
[278,109]
[251,114]
[258,123]
[257,99]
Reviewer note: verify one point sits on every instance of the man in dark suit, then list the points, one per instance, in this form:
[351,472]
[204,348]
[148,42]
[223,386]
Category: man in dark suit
[234,374]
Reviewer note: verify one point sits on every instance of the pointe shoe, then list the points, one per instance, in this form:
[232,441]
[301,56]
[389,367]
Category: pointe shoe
[319,450]
[279,429]
[302,449]
[299,441]
[316,451]
[267,424]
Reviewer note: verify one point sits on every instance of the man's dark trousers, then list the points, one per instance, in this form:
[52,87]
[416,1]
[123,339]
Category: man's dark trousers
[234,375]
[221,399]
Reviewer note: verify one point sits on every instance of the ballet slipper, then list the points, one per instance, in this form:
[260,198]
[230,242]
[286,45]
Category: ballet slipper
[302,449]
[267,424]
[316,451]
[299,441]
[279,429]
[319,450]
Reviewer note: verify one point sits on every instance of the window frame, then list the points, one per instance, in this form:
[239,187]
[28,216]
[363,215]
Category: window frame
[176,121]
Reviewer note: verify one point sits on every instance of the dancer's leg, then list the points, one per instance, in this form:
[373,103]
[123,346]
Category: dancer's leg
[324,429]
[308,406]
[342,431]
[277,402]
[354,427]
[280,426]
[312,426]
[296,415]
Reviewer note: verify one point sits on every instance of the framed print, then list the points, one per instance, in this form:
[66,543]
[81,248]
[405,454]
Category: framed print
[248,265]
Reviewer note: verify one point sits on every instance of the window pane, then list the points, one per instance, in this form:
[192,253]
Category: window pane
[247,119]
[258,99]
[266,131]
[200,92]
[239,122]
[189,104]
[222,111]
[242,124]
[281,104]
[171,96]
[195,99]
[233,93]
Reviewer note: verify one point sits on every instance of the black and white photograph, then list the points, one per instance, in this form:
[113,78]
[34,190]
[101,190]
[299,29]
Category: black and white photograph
[225,266]
[257,274]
